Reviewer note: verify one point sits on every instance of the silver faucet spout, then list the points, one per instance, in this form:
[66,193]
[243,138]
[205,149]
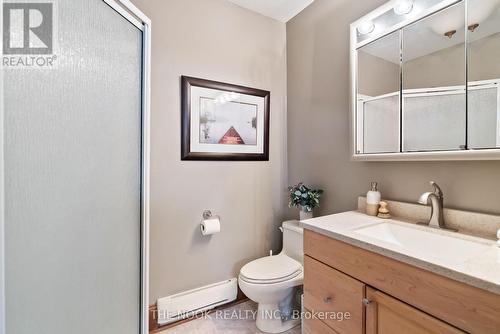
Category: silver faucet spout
[424,199]
[436,201]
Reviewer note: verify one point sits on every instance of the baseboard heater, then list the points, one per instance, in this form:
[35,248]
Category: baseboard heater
[193,302]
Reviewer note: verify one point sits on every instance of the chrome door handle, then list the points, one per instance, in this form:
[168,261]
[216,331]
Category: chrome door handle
[366,301]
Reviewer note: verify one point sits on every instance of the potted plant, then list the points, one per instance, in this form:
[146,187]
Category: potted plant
[305,198]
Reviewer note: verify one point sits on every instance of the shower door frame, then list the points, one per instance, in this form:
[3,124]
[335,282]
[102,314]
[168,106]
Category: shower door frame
[136,17]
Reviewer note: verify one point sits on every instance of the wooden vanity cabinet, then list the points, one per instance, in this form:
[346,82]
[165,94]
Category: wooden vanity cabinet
[315,326]
[329,294]
[385,296]
[387,315]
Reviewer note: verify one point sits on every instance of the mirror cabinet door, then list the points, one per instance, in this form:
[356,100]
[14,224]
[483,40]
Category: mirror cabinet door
[432,85]
[433,82]
[378,96]
[483,52]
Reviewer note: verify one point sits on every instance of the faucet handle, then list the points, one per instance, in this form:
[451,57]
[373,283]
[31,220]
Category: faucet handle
[437,189]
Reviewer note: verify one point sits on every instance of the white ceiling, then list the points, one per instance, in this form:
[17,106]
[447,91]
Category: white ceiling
[281,10]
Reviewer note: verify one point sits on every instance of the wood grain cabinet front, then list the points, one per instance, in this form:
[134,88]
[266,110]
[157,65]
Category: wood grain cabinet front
[339,277]
[333,297]
[316,326]
[387,315]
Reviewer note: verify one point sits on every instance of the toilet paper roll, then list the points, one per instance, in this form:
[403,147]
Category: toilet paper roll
[210,226]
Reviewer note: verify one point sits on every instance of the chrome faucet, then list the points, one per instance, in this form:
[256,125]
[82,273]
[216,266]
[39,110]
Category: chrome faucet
[436,200]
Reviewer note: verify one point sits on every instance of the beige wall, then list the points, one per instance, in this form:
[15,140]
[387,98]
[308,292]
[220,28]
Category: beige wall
[483,58]
[379,76]
[447,67]
[318,124]
[216,40]
[439,69]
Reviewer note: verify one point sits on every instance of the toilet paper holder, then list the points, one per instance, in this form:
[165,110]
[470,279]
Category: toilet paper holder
[210,224]
[207,214]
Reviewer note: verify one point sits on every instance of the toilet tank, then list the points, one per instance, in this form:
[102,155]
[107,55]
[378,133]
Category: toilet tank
[293,240]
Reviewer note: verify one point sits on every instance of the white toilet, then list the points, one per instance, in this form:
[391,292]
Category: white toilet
[272,279]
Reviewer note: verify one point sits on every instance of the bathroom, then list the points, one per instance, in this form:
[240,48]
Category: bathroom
[102,191]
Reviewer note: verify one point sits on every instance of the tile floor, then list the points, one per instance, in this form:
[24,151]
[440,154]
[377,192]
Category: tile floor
[212,325]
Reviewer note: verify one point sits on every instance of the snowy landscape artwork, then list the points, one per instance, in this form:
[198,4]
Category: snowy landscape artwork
[231,122]
[224,122]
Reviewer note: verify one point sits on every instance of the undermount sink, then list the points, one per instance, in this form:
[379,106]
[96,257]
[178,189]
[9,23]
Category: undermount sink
[428,244]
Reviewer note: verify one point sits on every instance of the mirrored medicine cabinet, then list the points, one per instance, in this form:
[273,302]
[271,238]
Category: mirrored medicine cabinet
[426,81]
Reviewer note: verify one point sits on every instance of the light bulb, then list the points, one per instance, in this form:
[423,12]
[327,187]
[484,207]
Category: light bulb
[366,27]
[403,7]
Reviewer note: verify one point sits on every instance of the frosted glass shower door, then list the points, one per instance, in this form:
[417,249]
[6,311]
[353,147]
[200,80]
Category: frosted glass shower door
[72,179]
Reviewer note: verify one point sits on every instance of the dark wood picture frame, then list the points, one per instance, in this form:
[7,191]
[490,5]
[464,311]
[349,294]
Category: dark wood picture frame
[186,154]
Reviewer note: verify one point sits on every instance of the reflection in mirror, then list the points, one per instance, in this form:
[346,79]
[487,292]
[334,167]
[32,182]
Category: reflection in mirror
[378,111]
[400,11]
[484,74]
[433,74]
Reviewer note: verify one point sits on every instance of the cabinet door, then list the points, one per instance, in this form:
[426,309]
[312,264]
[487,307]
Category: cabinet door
[316,326]
[334,297]
[387,315]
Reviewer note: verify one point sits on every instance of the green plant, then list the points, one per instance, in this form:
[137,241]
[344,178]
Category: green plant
[305,197]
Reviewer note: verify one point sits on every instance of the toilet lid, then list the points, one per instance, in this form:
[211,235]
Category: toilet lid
[271,269]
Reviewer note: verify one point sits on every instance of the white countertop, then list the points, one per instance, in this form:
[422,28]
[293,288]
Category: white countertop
[481,270]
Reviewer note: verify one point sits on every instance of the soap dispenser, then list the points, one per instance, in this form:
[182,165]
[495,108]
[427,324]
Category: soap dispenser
[373,200]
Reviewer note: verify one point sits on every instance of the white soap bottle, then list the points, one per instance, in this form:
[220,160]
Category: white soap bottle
[373,198]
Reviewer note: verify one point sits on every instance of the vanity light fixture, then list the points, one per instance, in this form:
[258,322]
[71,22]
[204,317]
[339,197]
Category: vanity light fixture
[450,33]
[473,27]
[403,7]
[366,27]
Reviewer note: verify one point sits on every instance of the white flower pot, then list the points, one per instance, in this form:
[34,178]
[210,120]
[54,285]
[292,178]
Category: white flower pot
[305,214]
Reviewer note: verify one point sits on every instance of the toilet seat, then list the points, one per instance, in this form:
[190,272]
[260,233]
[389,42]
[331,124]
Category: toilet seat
[271,269]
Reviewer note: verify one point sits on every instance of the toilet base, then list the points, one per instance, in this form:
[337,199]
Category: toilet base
[269,319]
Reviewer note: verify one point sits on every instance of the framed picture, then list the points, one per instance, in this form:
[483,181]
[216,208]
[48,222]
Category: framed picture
[224,122]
